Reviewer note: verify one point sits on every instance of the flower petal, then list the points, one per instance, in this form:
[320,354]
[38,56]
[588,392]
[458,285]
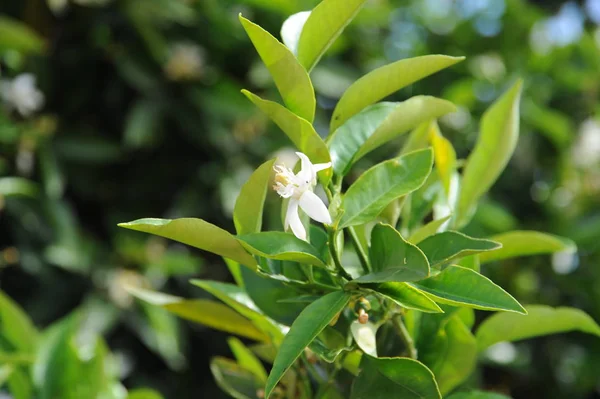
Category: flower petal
[292,220]
[306,174]
[314,207]
[321,166]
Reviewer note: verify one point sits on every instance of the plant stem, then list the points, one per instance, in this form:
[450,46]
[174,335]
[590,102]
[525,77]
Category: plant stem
[362,256]
[405,336]
[336,258]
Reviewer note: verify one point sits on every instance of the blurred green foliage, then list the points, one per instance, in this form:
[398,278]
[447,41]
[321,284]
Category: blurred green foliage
[142,115]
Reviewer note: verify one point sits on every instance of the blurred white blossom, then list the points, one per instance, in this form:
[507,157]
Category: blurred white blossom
[186,61]
[586,150]
[22,94]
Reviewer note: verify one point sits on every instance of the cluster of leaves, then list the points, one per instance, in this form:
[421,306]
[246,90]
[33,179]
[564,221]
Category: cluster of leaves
[419,277]
[103,67]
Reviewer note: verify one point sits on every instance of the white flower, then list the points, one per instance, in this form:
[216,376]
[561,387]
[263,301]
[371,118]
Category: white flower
[299,189]
[22,94]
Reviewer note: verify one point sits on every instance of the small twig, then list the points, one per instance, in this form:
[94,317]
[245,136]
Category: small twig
[362,256]
[336,258]
[405,336]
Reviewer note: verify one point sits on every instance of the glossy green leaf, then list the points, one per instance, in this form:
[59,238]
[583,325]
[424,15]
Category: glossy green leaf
[197,233]
[16,326]
[248,210]
[290,77]
[459,286]
[307,326]
[378,124]
[443,247]
[540,320]
[298,130]
[393,259]
[394,378]
[281,246]
[384,81]
[15,35]
[525,243]
[380,185]
[478,395]
[454,355]
[247,359]
[427,230]
[203,311]
[498,137]
[236,381]
[444,157]
[407,296]
[325,23]
[237,298]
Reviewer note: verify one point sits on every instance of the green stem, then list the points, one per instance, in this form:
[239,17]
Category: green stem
[336,259]
[362,256]
[405,336]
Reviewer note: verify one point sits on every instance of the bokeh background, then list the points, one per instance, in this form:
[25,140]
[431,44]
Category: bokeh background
[113,110]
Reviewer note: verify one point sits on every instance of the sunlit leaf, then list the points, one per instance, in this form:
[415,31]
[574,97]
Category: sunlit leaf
[459,286]
[197,233]
[540,320]
[384,81]
[290,77]
[498,137]
[380,185]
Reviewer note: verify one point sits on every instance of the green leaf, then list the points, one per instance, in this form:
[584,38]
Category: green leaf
[325,23]
[290,77]
[394,378]
[303,331]
[197,233]
[444,157]
[497,140]
[267,294]
[393,259]
[478,395]
[329,344]
[406,296]
[459,286]
[61,372]
[453,356]
[16,186]
[236,381]
[16,327]
[144,393]
[236,298]
[384,81]
[298,130]
[427,230]
[15,35]
[203,311]
[540,320]
[525,243]
[378,124]
[248,210]
[247,359]
[281,246]
[443,247]
[418,138]
[380,185]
